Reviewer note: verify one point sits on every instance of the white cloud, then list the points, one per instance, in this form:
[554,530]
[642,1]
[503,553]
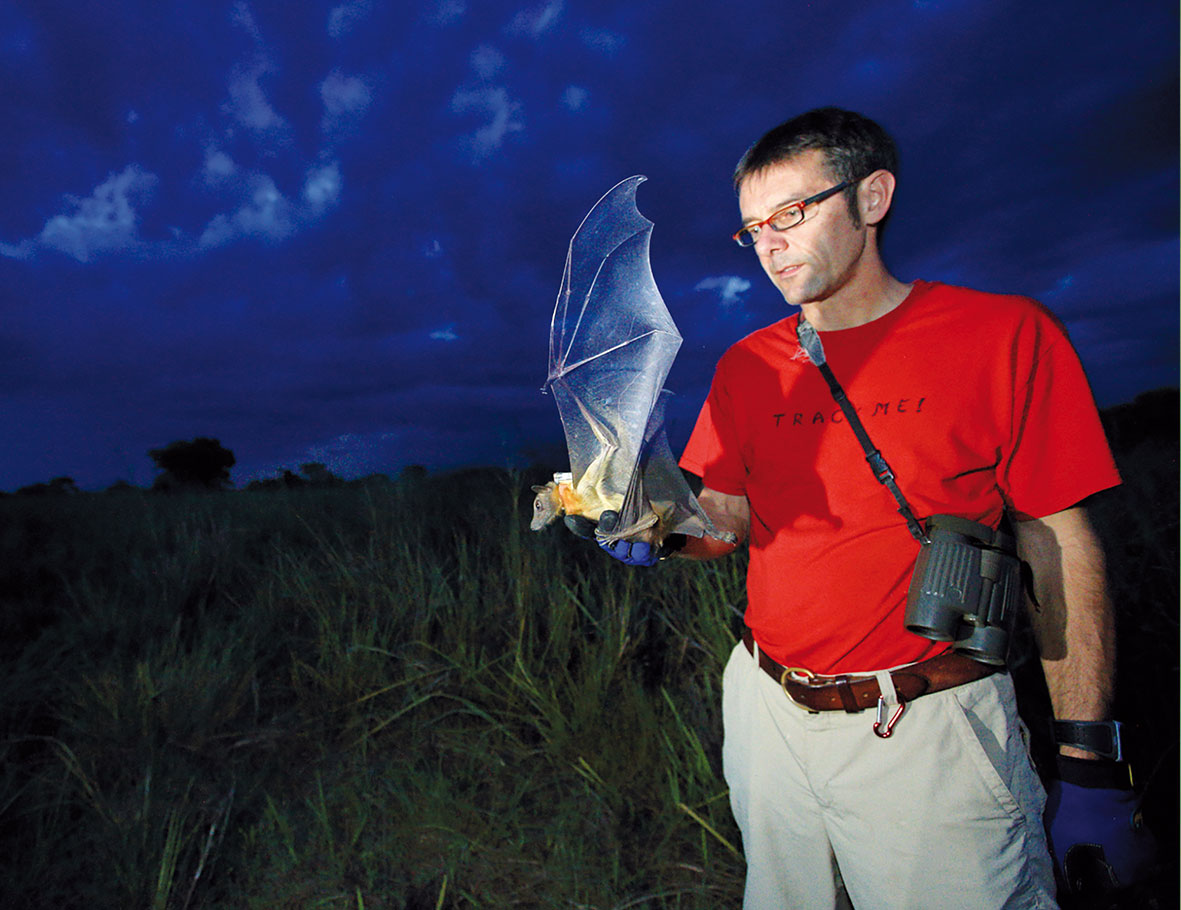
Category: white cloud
[345,98]
[243,17]
[22,250]
[343,94]
[342,19]
[218,165]
[449,11]
[270,215]
[107,220]
[218,232]
[602,40]
[321,190]
[103,222]
[267,214]
[447,333]
[504,116]
[433,249]
[487,61]
[1064,284]
[730,288]
[248,104]
[537,21]
[575,98]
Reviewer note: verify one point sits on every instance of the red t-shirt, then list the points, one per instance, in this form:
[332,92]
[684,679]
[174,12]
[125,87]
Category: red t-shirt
[977,401]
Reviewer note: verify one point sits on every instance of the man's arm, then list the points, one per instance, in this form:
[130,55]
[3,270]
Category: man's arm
[728,513]
[1072,617]
[1096,828]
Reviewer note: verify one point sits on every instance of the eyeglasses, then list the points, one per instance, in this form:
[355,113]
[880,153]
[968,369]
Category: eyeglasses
[787,217]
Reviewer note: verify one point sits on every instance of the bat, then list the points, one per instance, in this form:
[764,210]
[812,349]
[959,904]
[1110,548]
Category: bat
[612,343]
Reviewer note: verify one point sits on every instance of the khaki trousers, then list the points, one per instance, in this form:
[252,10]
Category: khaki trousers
[946,813]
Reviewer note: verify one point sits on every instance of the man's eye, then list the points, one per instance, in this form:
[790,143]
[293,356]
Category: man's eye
[785,219]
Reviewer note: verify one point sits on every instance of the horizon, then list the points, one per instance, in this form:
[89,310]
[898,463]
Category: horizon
[308,474]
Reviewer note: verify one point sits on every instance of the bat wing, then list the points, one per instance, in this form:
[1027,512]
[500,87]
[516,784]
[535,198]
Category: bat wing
[658,488]
[612,343]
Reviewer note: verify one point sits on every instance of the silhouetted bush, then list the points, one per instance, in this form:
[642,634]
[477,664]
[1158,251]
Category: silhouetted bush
[202,462]
[1151,416]
[318,475]
[56,487]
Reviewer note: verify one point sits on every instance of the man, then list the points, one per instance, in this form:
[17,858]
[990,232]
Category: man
[981,408]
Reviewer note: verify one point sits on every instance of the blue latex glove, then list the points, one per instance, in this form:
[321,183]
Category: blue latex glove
[631,552]
[1097,833]
[628,552]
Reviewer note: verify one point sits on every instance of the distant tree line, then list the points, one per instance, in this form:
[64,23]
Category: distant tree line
[204,463]
[312,474]
[196,464]
[55,487]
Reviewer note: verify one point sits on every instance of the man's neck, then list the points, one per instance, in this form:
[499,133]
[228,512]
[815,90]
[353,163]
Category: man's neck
[868,296]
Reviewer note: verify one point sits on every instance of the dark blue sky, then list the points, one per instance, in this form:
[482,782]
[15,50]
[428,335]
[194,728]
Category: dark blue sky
[335,231]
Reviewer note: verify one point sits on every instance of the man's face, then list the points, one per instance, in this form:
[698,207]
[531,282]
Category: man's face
[814,260]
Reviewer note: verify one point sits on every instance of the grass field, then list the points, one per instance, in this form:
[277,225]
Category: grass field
[392,695]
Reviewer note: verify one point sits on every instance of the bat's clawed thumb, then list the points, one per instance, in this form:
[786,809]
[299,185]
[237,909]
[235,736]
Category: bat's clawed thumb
[608,521]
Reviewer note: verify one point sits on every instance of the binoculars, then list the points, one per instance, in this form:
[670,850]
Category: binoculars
[966,588]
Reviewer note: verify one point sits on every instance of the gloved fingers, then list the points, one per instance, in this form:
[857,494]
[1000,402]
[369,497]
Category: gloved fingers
[631,552]
[1097,835]
[1085,870]
[579,526]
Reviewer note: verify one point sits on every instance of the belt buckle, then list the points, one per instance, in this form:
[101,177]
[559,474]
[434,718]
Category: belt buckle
[806,677]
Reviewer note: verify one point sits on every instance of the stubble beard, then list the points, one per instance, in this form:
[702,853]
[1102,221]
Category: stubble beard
[805,288]
[808,286]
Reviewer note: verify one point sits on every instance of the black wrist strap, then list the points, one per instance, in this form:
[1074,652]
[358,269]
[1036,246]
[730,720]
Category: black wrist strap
[1099,736]
[810,342]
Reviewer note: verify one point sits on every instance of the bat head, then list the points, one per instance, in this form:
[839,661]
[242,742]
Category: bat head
[547,506]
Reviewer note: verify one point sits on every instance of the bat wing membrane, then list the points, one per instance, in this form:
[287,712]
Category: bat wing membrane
[612,343]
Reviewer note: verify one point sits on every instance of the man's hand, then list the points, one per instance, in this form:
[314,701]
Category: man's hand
[631,552]
[1097,833]
[628,552]
[579,526]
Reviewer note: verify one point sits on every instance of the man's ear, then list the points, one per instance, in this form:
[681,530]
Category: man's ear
[874,196]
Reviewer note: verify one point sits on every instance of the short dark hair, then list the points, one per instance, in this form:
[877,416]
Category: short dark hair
[853,145]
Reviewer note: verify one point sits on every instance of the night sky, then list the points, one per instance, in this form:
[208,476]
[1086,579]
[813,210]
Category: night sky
[335,232]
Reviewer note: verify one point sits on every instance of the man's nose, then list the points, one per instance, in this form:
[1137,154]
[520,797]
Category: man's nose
[770,239]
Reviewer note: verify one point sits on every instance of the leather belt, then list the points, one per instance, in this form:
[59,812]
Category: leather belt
[856,693]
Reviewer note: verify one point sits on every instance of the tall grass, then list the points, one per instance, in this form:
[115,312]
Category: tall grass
[395,696]
[392,696]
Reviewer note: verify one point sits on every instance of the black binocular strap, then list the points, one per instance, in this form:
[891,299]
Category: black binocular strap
[810,342]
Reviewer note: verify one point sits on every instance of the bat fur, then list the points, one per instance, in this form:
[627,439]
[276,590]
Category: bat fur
[559,497]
